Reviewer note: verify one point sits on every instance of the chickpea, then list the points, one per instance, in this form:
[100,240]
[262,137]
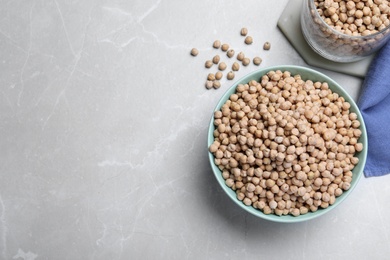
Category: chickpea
[244,31]
[236,67]
[248,40]
[267,46]
[359,147]
[295,212]
[216,59]
[217,44]
[246,61]
[240,56]
[194,52]
[230,53]
[230,75]
[216,84]
[225,47]
[222,66]
[208,64]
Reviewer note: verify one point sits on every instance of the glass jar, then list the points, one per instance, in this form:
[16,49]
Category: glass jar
[334,45]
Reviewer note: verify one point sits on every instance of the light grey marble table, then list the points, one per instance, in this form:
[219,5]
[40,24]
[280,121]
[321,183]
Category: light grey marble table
[103,123]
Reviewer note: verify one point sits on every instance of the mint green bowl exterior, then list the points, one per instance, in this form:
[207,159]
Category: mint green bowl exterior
[306,74]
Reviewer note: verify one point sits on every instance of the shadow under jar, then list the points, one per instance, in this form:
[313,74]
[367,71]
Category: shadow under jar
[332,42]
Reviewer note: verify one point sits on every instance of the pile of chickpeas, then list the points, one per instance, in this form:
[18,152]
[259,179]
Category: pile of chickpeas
[356,18]
[286,145]
[363,25]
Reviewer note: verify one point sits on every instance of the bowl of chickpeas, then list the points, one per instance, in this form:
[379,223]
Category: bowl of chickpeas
[287,143]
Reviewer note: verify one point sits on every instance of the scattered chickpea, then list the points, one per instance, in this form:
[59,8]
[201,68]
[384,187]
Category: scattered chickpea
[257,60]
[235,66]
[248,40]
[208,64]
[217,44]
[216,84]
[267,46]
[211,77]
[230,75]
[240,56]
[225,47]
[279,157]
[194,52]
[230,53]
[244,31]
[216,59]
[246,61]
[209,84]
[218,75]
[222,66]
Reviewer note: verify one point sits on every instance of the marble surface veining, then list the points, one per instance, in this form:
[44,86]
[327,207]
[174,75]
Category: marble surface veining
[103,123]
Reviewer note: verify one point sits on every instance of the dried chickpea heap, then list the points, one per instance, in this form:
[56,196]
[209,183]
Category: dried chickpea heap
[357,18]
[285,145]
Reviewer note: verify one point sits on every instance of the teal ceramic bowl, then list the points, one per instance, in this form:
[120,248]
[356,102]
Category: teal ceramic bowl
[306,74]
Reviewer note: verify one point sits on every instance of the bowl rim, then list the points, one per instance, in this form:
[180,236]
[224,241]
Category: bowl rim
[357,171]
